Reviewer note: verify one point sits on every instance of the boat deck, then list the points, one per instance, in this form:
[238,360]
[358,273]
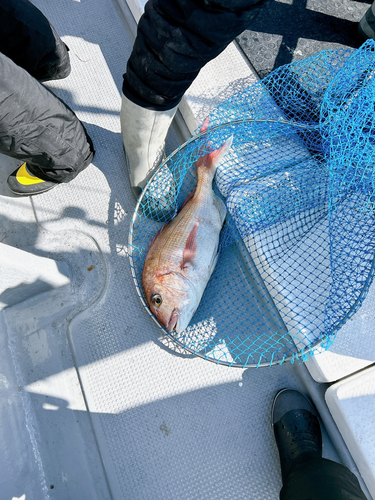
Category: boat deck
[94,403]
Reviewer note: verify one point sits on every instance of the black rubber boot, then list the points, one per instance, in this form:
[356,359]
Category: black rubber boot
[24,182]
[296,428]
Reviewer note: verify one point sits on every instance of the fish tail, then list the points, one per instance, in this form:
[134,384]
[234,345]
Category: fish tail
[210,161]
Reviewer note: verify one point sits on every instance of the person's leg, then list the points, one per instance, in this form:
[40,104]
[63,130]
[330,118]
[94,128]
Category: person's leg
[306,475]
[38,128]
[320,479]
[28,38]
[175,39]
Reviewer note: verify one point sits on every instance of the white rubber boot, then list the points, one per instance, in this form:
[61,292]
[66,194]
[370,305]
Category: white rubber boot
[143,134]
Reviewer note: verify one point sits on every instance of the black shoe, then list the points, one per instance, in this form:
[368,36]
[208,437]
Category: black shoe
[296,427]
[24,183]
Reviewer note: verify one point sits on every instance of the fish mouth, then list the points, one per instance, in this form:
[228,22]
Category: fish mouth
[172,323]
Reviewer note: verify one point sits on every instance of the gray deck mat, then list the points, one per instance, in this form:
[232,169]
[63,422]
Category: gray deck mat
[290,30]
[168,426]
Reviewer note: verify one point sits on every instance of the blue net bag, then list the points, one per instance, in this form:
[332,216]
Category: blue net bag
[296,251]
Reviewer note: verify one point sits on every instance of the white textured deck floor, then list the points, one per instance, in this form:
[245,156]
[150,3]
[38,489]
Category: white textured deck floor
[92,404]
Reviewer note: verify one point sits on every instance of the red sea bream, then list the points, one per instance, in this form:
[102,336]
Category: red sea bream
[183,255]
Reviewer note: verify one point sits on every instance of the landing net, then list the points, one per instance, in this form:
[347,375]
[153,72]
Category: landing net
[297,247]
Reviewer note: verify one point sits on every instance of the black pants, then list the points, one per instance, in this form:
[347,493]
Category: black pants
[36,126]
[175,39]
[320,479]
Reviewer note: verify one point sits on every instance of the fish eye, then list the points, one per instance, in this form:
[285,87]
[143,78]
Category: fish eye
[156,300]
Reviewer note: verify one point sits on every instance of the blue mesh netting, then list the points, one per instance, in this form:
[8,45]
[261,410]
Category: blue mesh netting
[297,247]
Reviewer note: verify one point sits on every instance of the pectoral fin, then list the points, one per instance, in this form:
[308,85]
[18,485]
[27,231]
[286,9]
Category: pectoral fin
[191,246]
